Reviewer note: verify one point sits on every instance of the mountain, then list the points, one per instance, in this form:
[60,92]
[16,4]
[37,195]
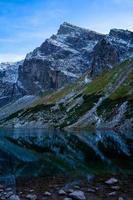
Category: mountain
[71,52]
[64,57]
[106,102]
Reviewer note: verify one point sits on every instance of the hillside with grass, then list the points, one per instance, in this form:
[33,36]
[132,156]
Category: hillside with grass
[104,103]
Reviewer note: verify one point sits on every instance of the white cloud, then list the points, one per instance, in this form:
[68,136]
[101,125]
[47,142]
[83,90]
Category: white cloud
[8,57]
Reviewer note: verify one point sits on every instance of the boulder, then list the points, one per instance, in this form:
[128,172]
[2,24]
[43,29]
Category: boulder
[79,195]
[111,181]
[62,192]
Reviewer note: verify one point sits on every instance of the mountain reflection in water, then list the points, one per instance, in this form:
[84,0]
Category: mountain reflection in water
[38,152]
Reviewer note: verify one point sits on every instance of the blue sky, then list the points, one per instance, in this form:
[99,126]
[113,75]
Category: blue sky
[25,24]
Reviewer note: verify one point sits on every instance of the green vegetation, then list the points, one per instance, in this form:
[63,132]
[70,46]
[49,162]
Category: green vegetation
[124,89]
[37,108]
[109,107]
[99,85]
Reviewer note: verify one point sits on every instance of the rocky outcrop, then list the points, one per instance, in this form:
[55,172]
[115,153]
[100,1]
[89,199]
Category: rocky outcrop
[114,48]
[36,77]
[105,55]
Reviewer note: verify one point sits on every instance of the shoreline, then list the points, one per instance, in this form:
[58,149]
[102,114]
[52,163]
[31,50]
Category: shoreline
[93,187]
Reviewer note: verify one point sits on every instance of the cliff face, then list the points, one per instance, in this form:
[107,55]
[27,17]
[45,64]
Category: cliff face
[114,48]
[105,56]
[36,76]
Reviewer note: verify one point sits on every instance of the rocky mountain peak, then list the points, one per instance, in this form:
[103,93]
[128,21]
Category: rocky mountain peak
[67,28]
[76,31]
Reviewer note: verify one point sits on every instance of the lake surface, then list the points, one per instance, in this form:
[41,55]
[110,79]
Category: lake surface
[39,152]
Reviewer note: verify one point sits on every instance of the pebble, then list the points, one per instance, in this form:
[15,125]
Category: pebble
[70,190]
[111,181]
[20,193]
[47,193]
[115,187]
[90,178]
[79,195]
[1,186]
[2,198]
[77,187]
[62,192]
[32,191]
[1,190]
[120,198]
[8,189]
[91,190]
[9,194]
[31,196]
[112,193]
[97,188]
[14,197]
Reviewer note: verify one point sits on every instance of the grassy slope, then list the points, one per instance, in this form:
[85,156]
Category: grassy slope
[100,87]
[123,93]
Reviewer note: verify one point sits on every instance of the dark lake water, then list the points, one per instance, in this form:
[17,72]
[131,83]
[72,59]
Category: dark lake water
[39,152]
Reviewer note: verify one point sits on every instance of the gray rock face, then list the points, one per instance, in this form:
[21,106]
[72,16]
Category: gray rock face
[36,76]
[114,48]
[124,35]
[105,55]
[122,40]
